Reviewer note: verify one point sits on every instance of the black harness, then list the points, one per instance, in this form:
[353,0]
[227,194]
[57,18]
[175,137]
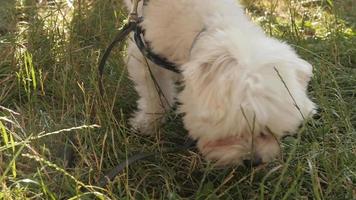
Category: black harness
[134,26]
[148,53]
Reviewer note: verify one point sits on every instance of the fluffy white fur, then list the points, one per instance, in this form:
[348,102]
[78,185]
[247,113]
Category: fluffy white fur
[234,100]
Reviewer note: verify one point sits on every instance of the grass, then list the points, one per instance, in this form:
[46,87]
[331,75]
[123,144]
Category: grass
[58,136]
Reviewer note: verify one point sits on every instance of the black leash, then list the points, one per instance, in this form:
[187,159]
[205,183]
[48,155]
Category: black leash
[140,156]
[123,33]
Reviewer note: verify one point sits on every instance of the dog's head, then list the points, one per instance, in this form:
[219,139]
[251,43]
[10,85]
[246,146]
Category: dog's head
[242,95]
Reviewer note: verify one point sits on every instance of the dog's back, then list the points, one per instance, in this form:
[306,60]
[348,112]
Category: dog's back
[172,26]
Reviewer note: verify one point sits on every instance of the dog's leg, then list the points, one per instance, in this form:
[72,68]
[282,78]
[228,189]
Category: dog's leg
[156,90]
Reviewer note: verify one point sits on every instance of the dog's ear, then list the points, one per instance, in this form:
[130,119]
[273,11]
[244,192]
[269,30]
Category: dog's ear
[212,67]
[210,81]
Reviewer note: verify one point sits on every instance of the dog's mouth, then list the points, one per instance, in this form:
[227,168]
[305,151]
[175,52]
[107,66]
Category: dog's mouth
[224,151]
[240,149]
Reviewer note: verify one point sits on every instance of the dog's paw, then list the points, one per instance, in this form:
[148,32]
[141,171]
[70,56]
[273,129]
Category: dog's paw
[146,124]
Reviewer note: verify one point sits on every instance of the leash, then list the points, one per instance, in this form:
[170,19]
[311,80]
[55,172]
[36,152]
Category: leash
[133,25]
[141,156]
[126,29]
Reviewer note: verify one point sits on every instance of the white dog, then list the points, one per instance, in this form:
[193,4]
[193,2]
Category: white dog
[243,90]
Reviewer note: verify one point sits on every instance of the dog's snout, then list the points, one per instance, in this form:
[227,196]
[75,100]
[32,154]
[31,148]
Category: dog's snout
[254,162]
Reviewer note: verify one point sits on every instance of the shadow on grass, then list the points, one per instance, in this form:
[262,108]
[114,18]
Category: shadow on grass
[346,9]
[7,50]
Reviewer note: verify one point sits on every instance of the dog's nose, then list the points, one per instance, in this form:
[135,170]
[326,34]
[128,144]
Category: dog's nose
[254,162]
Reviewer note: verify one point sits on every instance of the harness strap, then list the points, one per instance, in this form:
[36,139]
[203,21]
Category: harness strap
[150,55]
[142,46]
